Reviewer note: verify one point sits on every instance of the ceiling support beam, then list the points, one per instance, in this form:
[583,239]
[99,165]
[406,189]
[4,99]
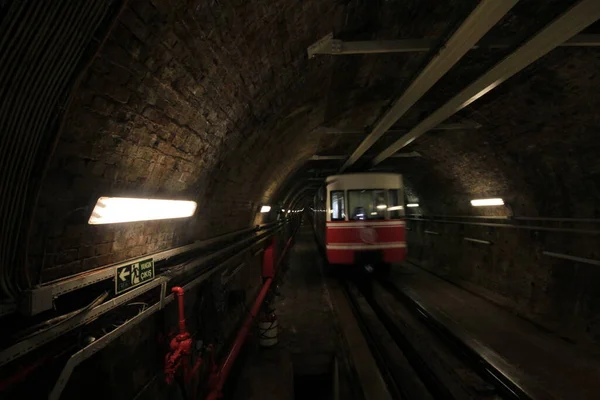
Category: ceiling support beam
[317,157]
[330,46]
[441,127]
[580,16]
[478,23]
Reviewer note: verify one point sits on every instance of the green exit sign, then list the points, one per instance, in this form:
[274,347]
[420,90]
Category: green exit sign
[134,274]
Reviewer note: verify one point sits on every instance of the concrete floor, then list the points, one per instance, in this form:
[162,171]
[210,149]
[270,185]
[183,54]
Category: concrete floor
[308,334]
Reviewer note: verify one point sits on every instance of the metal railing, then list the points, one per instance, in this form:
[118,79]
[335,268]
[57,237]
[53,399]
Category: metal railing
[199,265]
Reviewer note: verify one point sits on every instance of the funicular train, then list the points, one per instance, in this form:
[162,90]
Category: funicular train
[358,219]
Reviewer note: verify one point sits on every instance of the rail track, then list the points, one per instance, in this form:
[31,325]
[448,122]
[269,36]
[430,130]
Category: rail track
[422,354]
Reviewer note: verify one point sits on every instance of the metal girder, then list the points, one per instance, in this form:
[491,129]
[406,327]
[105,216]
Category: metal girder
[583,14]
[330,46]
[317,157]
[477,24]
[441,127]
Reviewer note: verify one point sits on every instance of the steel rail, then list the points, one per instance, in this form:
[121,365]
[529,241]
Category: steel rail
[429,378]
[491,366]
[382,359]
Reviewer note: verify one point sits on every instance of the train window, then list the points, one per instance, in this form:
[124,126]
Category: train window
[338,211]
[395,209]
[367,204]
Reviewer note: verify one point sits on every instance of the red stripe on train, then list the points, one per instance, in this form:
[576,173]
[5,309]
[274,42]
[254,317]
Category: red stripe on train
[347,256]
[369,235]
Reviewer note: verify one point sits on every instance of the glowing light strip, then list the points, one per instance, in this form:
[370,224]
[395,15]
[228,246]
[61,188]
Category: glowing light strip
[412,205]
[113,210]
[487,202]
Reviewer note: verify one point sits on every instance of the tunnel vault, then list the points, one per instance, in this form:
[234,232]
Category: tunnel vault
[218,102]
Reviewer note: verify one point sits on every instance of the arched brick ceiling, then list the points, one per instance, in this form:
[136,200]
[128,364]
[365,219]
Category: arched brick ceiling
[216,101]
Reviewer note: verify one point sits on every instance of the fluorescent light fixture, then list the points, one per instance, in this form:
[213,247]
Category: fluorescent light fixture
[412,205]
[361,215]
[381,207]
[487,202]
[265,209]
[395,208]
[373,213]
[112,210]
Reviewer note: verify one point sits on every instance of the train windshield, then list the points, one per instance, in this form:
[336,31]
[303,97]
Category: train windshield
[374,204]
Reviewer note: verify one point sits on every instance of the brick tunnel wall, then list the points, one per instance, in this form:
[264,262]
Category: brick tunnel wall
[192,101]
[542,160]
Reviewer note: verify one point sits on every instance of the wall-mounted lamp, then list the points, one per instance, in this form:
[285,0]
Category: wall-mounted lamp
[487,202]
[395,208]
[112,210]
[265,209]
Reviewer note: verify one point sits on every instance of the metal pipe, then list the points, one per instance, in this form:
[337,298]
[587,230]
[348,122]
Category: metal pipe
[511,226]
[178,291]
[468,239]
[516,218]
[571,258]
[102,342]
[240,339]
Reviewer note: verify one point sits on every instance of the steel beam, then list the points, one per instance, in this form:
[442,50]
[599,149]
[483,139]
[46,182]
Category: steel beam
[576,19]
[441,127]
[317,157]
[477,24]
[330,46]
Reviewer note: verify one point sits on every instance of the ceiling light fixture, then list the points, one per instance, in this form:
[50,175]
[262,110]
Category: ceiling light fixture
[412,205]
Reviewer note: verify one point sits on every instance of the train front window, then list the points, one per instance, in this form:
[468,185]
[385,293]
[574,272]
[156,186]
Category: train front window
[367,204]
[395,209]
[338,212]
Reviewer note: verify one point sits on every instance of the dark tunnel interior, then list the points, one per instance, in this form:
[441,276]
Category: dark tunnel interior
[222,103]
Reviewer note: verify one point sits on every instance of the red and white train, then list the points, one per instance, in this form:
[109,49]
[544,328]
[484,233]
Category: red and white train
[358,219]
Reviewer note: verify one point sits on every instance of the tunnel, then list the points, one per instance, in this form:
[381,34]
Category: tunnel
[227,121]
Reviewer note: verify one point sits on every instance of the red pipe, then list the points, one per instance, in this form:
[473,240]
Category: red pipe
[179,293]
[240,339]
[219,378]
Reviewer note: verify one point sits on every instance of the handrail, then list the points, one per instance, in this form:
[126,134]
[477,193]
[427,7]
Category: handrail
[510,218]
[510,226]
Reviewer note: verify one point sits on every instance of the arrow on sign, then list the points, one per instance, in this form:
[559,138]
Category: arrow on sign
[124,274]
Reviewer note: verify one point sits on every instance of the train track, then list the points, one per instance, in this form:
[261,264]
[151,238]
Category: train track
[420,356]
